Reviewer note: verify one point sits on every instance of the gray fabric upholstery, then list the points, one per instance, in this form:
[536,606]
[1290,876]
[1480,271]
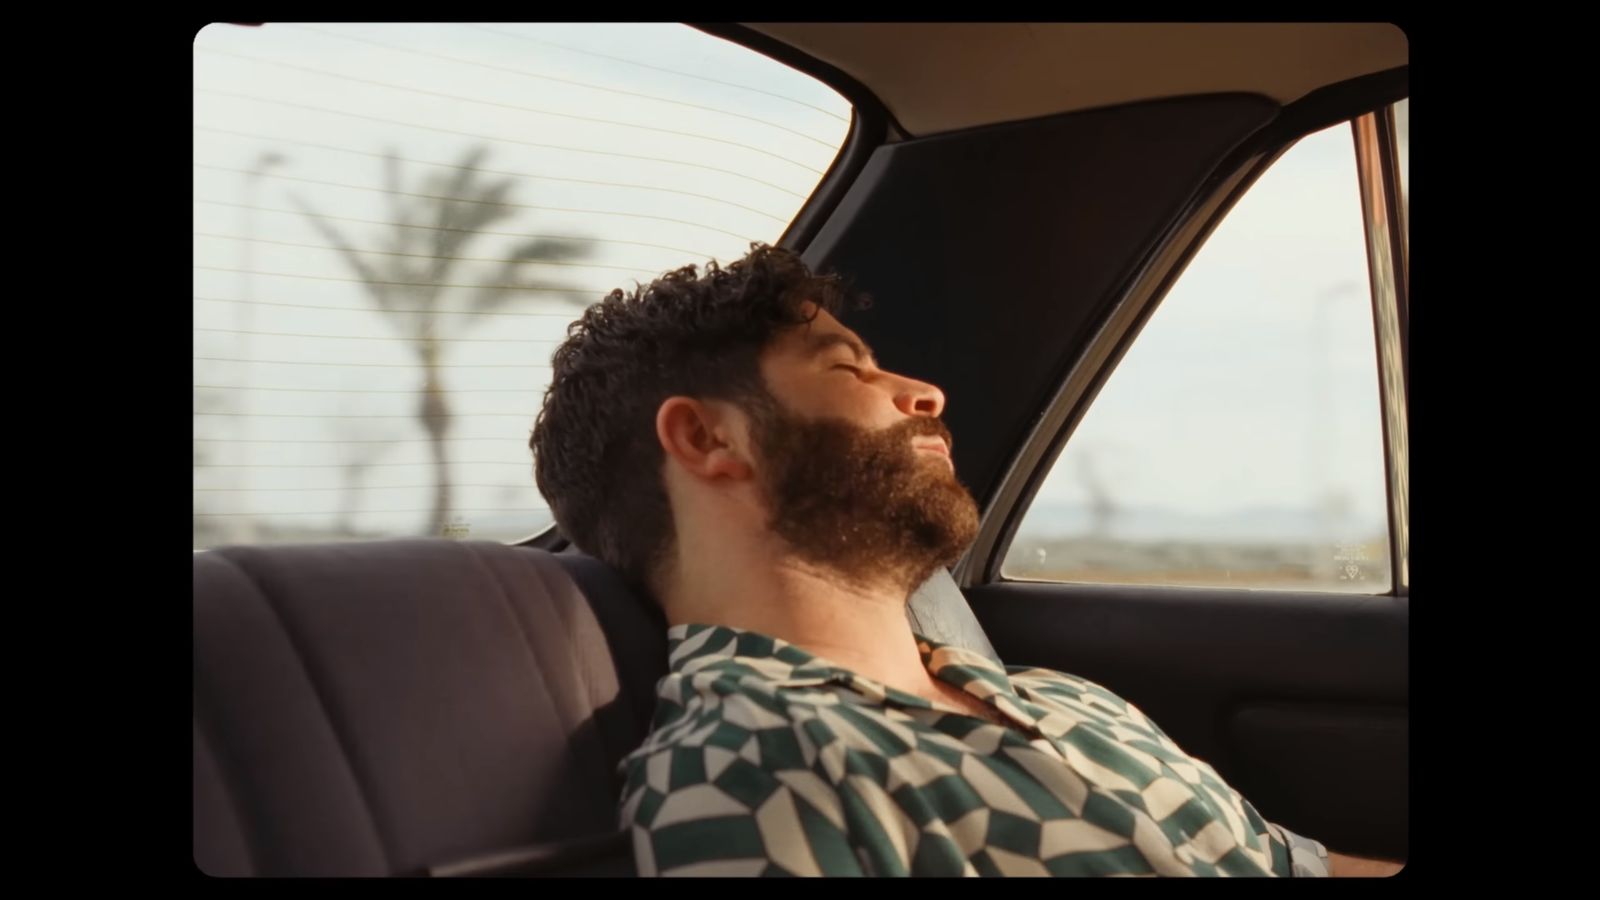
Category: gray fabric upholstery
[401,707]
[381,708]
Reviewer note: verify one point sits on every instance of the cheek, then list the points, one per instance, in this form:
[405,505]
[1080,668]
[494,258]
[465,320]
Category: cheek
[833,394]
[865,405]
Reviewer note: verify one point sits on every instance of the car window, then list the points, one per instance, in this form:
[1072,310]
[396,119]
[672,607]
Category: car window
[1239,441]
[395,223]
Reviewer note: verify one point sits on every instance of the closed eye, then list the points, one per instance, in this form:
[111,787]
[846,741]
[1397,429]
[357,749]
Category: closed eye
[856,370]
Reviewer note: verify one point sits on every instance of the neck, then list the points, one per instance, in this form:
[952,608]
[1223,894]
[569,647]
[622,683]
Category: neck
[747,583]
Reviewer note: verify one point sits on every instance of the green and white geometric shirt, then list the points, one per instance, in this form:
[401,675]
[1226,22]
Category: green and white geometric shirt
[766,760]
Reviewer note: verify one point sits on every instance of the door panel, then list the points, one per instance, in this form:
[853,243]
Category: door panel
[1298,700]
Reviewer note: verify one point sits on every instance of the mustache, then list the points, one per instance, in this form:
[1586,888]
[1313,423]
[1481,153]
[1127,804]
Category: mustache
[922,426]
[823,436]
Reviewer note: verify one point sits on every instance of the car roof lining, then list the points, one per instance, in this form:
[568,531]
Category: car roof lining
[938,77]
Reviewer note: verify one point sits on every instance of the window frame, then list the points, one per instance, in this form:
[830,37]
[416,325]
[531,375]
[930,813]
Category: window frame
[1145,289]
[1388,248]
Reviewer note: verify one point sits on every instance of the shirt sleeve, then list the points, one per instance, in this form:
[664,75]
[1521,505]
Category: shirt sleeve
[1307,858]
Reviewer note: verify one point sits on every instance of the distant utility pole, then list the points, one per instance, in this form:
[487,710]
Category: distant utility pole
[1102,509]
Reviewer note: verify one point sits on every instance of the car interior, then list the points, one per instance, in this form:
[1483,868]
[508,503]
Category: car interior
[1017,199]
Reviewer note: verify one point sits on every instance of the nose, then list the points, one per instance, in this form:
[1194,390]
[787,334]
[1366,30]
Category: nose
[918,398]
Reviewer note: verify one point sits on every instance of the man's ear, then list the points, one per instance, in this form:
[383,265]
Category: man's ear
[703,438]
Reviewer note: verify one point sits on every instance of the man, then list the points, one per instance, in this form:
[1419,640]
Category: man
[740,456]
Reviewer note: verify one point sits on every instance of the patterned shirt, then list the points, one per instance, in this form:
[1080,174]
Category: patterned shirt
[766,760]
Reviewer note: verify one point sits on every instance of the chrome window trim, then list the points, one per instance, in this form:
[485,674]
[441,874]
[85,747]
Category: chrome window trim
[1387,257]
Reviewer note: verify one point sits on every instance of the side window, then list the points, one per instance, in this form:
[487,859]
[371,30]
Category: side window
[394,224]
[1239,443]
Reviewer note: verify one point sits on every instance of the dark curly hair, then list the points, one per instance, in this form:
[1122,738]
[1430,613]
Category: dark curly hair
[596,457]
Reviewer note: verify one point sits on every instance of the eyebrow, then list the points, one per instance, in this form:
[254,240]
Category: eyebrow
[820,342]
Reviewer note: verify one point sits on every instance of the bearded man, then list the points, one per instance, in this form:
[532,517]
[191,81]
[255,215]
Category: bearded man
[736,451]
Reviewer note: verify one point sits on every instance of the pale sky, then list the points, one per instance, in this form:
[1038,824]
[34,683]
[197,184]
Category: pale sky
[1255,382]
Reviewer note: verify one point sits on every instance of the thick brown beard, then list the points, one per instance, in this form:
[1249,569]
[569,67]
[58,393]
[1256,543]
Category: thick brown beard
[864,504]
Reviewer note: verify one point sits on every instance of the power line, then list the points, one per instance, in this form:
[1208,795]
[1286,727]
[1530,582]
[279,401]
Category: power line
[543,509]
[457,391]
[592,212]
[500,140]
[351,337]
[428,256]
[351,441]
[487,287]
[632,62]
[526,74]
[515,234]
[489,171]
[364,487]
[426,312]
[528,109]
[523,463]
[233,415]
[293,362]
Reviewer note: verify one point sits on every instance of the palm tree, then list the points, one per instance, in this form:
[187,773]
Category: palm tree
[409,277]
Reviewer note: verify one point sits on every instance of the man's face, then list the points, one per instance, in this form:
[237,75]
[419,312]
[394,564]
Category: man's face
[855,463]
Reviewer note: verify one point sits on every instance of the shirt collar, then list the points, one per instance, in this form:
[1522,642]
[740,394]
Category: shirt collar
[692,648]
